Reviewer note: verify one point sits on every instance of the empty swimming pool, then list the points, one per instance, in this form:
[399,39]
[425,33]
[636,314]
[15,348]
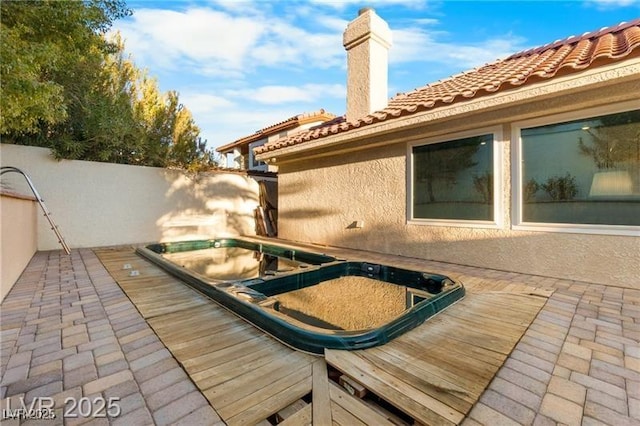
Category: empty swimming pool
[308,300]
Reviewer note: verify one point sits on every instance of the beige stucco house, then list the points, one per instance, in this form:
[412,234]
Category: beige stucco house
[528,164]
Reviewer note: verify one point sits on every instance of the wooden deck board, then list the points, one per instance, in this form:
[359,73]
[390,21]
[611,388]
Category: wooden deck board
[246,375]
[270,398]
[321,397]
[434,373]
[355,407]
[300,418]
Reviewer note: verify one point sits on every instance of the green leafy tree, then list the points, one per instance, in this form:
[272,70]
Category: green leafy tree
[45,45]
[65,86]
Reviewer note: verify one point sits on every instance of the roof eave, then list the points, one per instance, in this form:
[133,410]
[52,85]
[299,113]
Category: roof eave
[611,73]
[289,124]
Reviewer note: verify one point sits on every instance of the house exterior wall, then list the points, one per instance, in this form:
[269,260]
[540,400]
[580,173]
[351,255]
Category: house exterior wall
[101,204]
[18,238]
[323,197]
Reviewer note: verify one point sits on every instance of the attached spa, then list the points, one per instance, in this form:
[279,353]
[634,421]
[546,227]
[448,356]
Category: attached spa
[308,300]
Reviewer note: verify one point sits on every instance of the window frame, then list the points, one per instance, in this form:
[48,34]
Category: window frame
[516,174]
[498,179]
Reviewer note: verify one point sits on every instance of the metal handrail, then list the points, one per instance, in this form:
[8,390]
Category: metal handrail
[54,227]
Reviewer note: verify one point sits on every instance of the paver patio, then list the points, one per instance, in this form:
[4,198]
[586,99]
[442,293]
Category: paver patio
[68,330]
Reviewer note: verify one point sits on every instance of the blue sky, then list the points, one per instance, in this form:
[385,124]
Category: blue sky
[242,65]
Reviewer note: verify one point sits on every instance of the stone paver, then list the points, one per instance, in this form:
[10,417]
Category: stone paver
[68,331]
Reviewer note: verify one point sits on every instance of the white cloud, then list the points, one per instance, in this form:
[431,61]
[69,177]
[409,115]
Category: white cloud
[331,22]
[203,37]
[341,4]
[287,44]
[273,95]
[415,44]
[612,4]
[204,103]
[217,43]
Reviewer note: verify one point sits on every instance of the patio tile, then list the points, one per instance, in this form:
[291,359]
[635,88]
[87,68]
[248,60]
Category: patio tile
[20,358]
[507,406]
[593,383]
[141,352]
[530,384]
[528,370]
[532,360]
[162,381]
[75,339]
[136,336]
[141,416]
[567,389]
[632,363]
[150,359]
[179,408]
[155,369]
[139,342]
[488,416]
[202,416]
[44,390]
[131,403]
[534,349]
[577,350]
[606,400]
[170,393]
[106,382]
[607,415]
[516,393]
[45,368]
[40,343]
[561,410]
[15,374]
[607,357]
[76,361]
[122,389]
[541,420]
[112,367]
[60,397]
[634,408]
[26,385]
[107,349]
[80,376]
[573,363]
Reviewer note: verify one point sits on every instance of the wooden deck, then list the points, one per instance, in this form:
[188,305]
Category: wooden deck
[434,374]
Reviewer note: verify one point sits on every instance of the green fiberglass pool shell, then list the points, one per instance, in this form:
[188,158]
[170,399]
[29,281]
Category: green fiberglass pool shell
[256,297]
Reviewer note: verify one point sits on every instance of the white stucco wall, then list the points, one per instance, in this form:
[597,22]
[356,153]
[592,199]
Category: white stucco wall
[100,204]
[322,195]
[18,238]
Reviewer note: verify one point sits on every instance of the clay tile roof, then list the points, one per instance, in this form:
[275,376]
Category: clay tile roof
[561,57]
[289,123]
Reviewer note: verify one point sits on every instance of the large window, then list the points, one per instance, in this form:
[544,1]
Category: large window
[584,172]
[453,180]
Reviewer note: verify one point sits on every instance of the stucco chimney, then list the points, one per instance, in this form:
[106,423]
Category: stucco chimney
[367,40]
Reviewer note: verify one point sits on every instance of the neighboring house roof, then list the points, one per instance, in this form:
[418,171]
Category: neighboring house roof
[559,58]
[288,124]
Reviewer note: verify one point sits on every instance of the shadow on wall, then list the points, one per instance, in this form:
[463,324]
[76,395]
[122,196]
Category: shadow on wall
[216,204]
[305,186]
